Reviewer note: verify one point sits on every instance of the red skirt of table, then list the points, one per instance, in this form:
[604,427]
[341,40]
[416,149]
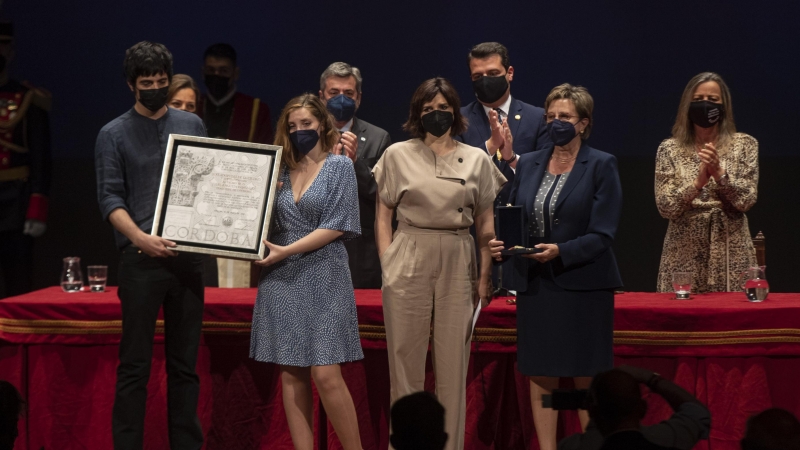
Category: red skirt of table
[61,350]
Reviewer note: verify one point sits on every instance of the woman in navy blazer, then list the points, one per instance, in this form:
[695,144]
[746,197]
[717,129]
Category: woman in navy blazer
[572,197]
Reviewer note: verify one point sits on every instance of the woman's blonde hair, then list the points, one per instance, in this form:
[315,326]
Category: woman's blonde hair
[584,103]
[683,130]
[180,82]
[328,134]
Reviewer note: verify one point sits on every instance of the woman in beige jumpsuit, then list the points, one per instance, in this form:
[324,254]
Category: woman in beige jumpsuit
[439,188]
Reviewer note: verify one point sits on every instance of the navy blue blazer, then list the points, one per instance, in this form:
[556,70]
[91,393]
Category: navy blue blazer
[585,222]
[529,132]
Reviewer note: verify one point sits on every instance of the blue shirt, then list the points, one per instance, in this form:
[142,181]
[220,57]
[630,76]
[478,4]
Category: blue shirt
[129,159]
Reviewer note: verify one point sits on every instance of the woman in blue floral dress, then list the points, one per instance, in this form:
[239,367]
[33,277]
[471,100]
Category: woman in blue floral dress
[305,313]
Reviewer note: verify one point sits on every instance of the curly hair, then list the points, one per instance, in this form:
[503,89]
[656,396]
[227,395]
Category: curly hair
[146,59]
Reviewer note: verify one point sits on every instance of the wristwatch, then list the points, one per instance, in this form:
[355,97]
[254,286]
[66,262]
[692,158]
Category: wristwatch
[512,159]
[723,180]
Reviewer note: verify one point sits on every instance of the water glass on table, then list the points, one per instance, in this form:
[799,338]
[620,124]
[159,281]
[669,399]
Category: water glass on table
[71,276]
[682,284]
[97,278]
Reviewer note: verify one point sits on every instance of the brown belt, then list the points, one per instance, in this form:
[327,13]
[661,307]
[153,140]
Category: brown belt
[411,229]
[15,173]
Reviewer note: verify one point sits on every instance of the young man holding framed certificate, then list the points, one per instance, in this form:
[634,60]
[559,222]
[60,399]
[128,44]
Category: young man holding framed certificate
[129,158]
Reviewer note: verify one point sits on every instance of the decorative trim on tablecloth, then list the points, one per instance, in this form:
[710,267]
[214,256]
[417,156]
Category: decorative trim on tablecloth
[726,341]
[378,332]
[707,334]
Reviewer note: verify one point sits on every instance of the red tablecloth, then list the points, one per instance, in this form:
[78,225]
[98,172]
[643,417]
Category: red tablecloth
[60,349]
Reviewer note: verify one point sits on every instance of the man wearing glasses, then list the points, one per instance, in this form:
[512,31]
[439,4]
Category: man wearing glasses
[229,114]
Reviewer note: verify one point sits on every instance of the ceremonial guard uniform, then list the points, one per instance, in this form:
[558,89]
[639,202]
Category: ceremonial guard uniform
[241,118]
[24,174]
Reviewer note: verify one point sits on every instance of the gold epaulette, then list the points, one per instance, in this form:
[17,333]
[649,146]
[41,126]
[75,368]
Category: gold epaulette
[27,100]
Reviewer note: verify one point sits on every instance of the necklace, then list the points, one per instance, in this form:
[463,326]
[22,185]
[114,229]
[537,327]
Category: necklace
[564,160]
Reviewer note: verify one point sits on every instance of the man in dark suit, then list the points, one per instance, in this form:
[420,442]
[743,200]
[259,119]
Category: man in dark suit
[364,144]
[498,123]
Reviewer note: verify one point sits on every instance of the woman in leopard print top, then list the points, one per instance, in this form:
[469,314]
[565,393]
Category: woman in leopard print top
[706,179]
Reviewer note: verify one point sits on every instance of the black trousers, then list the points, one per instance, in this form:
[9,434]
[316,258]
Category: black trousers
[16,263]
[145,285]
[365,266]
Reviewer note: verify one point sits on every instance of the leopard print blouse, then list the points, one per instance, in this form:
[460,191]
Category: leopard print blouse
[708,233]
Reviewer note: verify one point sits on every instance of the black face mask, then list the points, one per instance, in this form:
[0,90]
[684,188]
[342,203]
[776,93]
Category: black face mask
[217,85]
[490,89]
[153,99]
[705,114]
[437,122]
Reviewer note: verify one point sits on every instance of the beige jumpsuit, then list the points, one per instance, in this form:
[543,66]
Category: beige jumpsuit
[429,270]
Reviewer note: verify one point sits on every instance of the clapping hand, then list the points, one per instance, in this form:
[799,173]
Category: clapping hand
[507,150]
[497,139]
[710,161]
[348,146]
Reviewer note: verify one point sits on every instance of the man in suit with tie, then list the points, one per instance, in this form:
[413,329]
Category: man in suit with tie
[364,144]
[498,123]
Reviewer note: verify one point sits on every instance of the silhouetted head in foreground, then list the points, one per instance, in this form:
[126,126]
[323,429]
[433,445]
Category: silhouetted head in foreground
[418,423]
[615,401]
[11,407]
[773,429]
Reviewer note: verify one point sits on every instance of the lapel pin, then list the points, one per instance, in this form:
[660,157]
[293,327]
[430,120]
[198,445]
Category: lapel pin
[517,117]
[363,138]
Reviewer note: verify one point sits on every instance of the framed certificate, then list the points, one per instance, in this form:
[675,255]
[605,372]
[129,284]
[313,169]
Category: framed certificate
[216,196]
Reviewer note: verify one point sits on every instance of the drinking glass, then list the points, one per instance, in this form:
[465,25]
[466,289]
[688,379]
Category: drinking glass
[97,278]
[682,283]
[71,276]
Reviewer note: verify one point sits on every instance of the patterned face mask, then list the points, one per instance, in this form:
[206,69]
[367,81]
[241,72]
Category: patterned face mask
[705,114]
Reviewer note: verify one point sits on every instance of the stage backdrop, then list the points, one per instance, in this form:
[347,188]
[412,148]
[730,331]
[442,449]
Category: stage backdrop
[635,58]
